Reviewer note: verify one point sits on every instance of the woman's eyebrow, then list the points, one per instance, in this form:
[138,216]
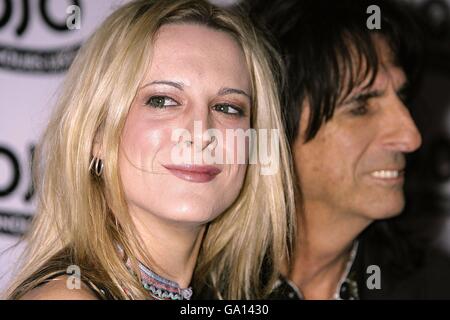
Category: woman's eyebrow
[226,91]
[180,86]
[175,84]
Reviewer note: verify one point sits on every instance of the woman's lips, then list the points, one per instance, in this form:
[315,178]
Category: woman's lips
[194,173]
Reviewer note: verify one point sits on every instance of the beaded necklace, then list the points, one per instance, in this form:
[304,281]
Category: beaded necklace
[161,288]
[158,287]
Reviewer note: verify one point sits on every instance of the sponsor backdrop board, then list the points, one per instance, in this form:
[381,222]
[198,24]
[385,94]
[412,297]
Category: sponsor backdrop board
[36,48]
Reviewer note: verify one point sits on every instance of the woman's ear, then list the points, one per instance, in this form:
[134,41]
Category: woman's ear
[96,164]
[97,146]
[96,150]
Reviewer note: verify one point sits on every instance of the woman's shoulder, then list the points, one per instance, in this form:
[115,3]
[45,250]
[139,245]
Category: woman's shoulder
[60,288]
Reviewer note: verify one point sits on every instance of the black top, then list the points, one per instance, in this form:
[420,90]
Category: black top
[401,275]
[97,290]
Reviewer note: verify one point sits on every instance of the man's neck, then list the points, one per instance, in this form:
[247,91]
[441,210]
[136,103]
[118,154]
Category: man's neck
[324,244]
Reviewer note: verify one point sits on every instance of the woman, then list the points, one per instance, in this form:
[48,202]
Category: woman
[116,210]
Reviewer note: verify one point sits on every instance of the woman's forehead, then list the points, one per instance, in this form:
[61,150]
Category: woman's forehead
[192,52]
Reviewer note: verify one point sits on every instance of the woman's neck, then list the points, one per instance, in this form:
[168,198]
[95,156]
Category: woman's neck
[173,247]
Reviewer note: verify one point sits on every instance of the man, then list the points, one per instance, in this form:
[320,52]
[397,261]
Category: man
[350,130]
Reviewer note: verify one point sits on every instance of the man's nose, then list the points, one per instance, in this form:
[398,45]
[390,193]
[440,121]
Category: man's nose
[401,133]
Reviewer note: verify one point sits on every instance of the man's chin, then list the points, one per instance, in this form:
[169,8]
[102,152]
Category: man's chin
[386,211]
[386,204]
[382,205]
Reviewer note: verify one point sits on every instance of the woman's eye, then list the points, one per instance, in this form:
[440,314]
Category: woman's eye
[359,111]
[161,102]
[228,109]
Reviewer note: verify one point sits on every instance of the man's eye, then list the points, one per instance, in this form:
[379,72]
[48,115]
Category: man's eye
[161,102]
[404,93]
[228,109]
[359,110]
[404,97]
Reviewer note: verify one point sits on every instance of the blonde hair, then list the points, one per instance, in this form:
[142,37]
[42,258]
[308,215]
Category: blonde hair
[81,218]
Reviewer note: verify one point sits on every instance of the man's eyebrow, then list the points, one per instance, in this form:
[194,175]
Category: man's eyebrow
[178,85]
[364,96]
[225,91]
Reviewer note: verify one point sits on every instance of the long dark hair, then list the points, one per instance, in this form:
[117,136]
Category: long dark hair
[328,50]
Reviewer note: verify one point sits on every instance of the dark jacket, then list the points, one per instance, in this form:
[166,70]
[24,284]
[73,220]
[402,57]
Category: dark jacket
[406,271]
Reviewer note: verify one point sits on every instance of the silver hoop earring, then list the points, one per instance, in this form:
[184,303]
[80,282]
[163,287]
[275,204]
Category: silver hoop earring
[97,166]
